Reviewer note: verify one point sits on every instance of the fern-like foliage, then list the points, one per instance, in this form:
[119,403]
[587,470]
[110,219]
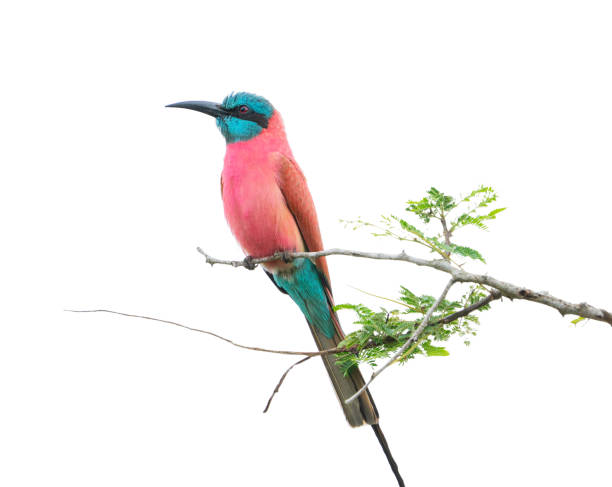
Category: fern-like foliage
[383,331]
[450,212]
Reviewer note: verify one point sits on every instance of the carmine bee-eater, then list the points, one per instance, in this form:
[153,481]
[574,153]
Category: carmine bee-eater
[269,209]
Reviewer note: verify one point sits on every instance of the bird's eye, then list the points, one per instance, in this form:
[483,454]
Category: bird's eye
[243,109]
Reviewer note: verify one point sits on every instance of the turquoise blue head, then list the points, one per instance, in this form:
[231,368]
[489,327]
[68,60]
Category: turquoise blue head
[241,116]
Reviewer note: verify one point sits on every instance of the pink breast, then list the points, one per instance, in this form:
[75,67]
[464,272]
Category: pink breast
[253,202]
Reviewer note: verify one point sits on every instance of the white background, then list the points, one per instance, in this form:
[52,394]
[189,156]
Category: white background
[105,194]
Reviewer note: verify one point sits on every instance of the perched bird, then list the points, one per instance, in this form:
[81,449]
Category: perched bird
[269,208]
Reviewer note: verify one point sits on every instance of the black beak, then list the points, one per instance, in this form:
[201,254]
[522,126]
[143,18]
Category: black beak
[207,107]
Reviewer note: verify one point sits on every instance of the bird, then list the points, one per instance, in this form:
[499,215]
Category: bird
[269,209]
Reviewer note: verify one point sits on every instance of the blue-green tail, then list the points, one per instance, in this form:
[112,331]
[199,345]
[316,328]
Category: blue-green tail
[306,287]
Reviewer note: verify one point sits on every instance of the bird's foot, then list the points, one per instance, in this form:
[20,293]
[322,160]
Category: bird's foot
[248,263]
[285,257]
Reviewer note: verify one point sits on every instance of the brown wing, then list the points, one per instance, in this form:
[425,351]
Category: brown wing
[292,184]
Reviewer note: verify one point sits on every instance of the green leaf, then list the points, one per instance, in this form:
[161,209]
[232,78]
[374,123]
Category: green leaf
[460,250]
[432,351]
[408,297]
[492,214]
[479,191]
[467,252]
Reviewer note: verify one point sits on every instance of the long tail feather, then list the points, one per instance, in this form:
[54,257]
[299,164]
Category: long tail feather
[383,443]
[305,286]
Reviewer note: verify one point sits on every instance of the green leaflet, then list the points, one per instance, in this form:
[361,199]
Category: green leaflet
[461,250]
[432,351]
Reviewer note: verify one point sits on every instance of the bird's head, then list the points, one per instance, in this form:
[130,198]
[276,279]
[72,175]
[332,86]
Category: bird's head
[241,116]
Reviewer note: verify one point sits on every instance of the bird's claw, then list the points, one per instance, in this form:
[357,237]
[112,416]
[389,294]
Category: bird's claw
[285,257]
[248,263]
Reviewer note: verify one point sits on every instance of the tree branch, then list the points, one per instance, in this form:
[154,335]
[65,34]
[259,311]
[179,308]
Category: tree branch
[408,343]
[507,289]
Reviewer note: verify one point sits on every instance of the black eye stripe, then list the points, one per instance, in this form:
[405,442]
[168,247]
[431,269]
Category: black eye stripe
[250,115]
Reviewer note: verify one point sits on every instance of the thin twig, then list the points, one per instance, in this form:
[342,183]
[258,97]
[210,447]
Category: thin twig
[408,343]
[507,289]
[447,234]
[447,319]
[468,309]
[282,379]
[256,349]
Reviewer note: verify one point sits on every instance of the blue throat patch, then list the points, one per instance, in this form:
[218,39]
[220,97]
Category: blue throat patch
[238,126]
[306,289]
